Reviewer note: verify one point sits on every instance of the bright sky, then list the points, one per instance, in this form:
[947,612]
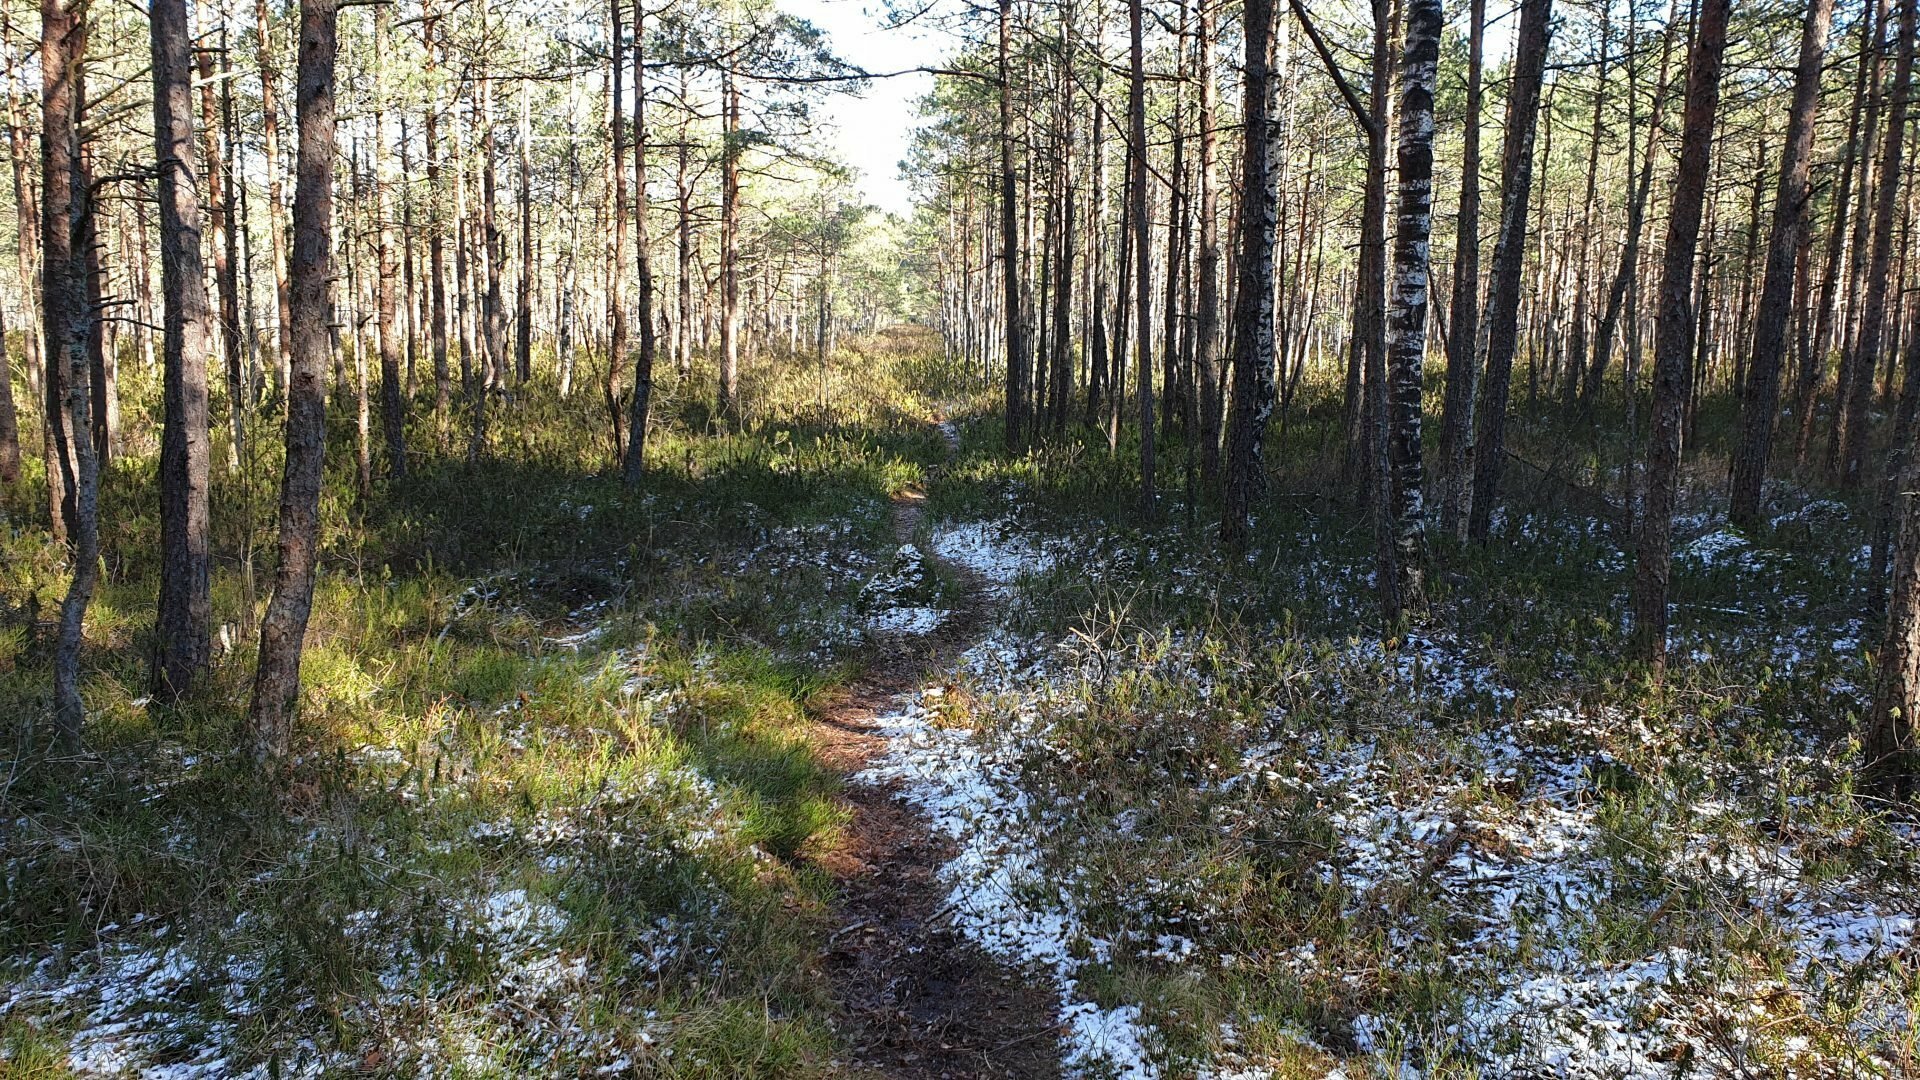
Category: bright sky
[872,131]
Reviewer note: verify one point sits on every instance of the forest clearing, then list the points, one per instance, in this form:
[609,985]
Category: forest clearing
[517,564]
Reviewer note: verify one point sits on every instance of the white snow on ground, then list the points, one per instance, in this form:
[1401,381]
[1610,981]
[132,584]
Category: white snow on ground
[1502,828]
[993,551]
[144,1003]
[906,621]
[1001,897]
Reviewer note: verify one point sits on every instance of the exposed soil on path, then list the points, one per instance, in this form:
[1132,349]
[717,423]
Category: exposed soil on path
[919,1001]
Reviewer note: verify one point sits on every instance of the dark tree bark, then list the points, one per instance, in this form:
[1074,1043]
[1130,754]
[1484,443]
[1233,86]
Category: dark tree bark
[436,240]
[1206,356]
[53,440]
[276,199]
[642,403]
[1812,376]
[1583,262]
[69,318]
[9,417]
[1142,252]
[220,221]
[393,421]
[523,283]
[102,362]
[730,252]
[1253,390]
[1622,293]
[1366,419]
[183,623]
[1060,383]
[1018,362]
[1509,257]
[1760,402]
[494,304]
[1463,352]
[1891,755]
[1407,300]
[1097,343]
[1674,338]
[1865,356]
[1846,333]
[283,630]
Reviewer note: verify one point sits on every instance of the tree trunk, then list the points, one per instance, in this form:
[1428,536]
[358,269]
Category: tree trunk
[1206,357]
[1623,294]
[1407,301]
[1760,402]
[1509,256]
[1865,356]
[1143,252]
[1463,353]
[1252,345]
[182,625]
[392,404]
[1018,362]
[523,283]
[69,320]
[1811,377]
[276,198]
[730,255]
[1891,763]
[1583,268]
[220,217]
[642,403]
[9,417]
[1673,343]
[1060,385]
[1846,332]
[276,685]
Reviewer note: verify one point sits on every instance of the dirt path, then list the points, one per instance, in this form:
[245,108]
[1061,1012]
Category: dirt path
[919,1001]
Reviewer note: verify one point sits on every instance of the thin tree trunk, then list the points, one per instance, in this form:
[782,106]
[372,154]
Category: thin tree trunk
[730,255]
[1811,378]
[1407,301]
[1577,348]
[1463,354]
[220,215]
[69,320]
[392,404]
[436,239]
[1509,255]
[182,624]
[276,198]
[1206,358]
[1623,294]
[1673,343]
[1018,362]
[1143,253]
[1865,355]
[642,403]
[1760,403]
[1846,332]
[1252,344]
[1060,386]
[276,685]
[523,286]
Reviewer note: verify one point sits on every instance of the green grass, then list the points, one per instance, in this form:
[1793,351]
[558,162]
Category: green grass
[1188,663]
[524,686]
[554,805]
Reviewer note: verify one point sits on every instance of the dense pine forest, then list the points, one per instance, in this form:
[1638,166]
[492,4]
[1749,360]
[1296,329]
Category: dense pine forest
[1335,538]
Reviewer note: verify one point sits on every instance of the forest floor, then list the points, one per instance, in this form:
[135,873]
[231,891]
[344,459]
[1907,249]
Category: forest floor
[857,746]
[921,1002]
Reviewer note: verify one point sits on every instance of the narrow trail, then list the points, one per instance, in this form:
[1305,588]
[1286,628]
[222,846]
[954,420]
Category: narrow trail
[920,1002]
